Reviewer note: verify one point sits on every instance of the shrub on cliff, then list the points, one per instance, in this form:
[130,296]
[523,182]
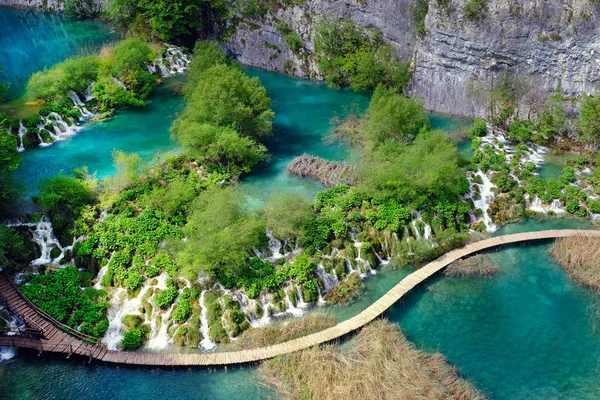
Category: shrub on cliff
[348,56]
[81,9]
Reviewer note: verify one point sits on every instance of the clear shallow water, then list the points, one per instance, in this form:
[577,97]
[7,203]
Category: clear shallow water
[28,377]
[141,130]
[30,42]
[528,333]
[303,118]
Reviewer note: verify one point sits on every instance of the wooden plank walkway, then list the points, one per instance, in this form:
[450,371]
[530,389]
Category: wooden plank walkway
[57,340]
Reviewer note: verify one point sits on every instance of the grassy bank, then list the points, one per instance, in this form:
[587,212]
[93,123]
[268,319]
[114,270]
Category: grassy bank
[579,257]
[380,363]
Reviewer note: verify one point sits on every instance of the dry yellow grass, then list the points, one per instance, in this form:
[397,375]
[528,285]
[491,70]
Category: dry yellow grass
[281,331]
[580,257]
[480,265]
[380,364]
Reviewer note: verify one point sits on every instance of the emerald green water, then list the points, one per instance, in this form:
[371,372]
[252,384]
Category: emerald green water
[30,42]
[526,333]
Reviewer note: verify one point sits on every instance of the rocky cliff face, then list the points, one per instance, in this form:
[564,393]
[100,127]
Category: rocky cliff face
[257,42]
[551,44]
[46,5]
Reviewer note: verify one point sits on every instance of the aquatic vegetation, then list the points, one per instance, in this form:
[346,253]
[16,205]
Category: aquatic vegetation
[480,265]
[379,363]
[579,257]
[329,173]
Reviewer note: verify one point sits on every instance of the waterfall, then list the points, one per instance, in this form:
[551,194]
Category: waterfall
[43,236]
[206,343]
[120,306]
[174,62]
[328,280]
[22,132]
[160,339]
[487,196]
[89,94]
[321,300]
[118,82]
[537,205]
[557,207]
[292,309]
[275,246]
[80,105]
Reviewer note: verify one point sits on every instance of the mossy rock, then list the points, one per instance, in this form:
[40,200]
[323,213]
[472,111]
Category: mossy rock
[282,306]
[270,311]
[30,139]
[180,337]
[46,136]
[154,282]
[259,311]
[293,297]
[132,320]
[217,333]
[55,252]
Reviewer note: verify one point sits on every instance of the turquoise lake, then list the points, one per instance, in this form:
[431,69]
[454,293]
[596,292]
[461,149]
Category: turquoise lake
[528,332]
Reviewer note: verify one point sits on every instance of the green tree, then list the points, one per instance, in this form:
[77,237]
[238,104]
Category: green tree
[392,116]
[225,96]
[81,9]
[74,74]
[347,56]
[286,215]
[220,234]
[589,119]
[207,53]
[9,161]
[220,146]
[158,19]
[63,199]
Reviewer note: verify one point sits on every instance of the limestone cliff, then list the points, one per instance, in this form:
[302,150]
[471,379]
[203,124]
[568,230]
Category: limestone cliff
[550,43]
[46,5]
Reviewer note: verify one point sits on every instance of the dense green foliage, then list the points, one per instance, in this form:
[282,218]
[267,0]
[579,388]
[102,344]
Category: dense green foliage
[227,114]
[81,9]
[54,84]
[13,248]
[135,337]
[9,161]
[124,65]
[165,20]
[589,118]
[63,199]
[348,56]
[59,294]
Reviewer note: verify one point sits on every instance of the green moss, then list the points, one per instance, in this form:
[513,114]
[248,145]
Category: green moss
[131,321]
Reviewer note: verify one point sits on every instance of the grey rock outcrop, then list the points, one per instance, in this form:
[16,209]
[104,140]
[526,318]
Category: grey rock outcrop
[551,44]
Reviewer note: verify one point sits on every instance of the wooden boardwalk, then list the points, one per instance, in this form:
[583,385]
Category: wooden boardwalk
[56,339]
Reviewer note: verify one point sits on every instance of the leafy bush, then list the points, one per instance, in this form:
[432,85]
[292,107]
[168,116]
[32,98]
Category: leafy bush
[182,311]
[164,298]
[134,338]
[347,56]
[58,293]
[479,128]
[475,9]
[81,9]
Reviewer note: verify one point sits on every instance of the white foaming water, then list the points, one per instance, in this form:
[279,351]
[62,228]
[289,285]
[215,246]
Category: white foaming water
[205,343]
[80,105]
[174,62]
[120,306]
[328,280]
[43,236]
[487,196]
[22,132]
[275,246]
[7,353]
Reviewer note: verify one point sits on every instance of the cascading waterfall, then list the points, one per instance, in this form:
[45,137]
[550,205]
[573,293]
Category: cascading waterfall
[275,246]
[205,343]
[486,197]
[22,132]
[80,105]
[14,325]
[329,281]
[43,236]
[174,62]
